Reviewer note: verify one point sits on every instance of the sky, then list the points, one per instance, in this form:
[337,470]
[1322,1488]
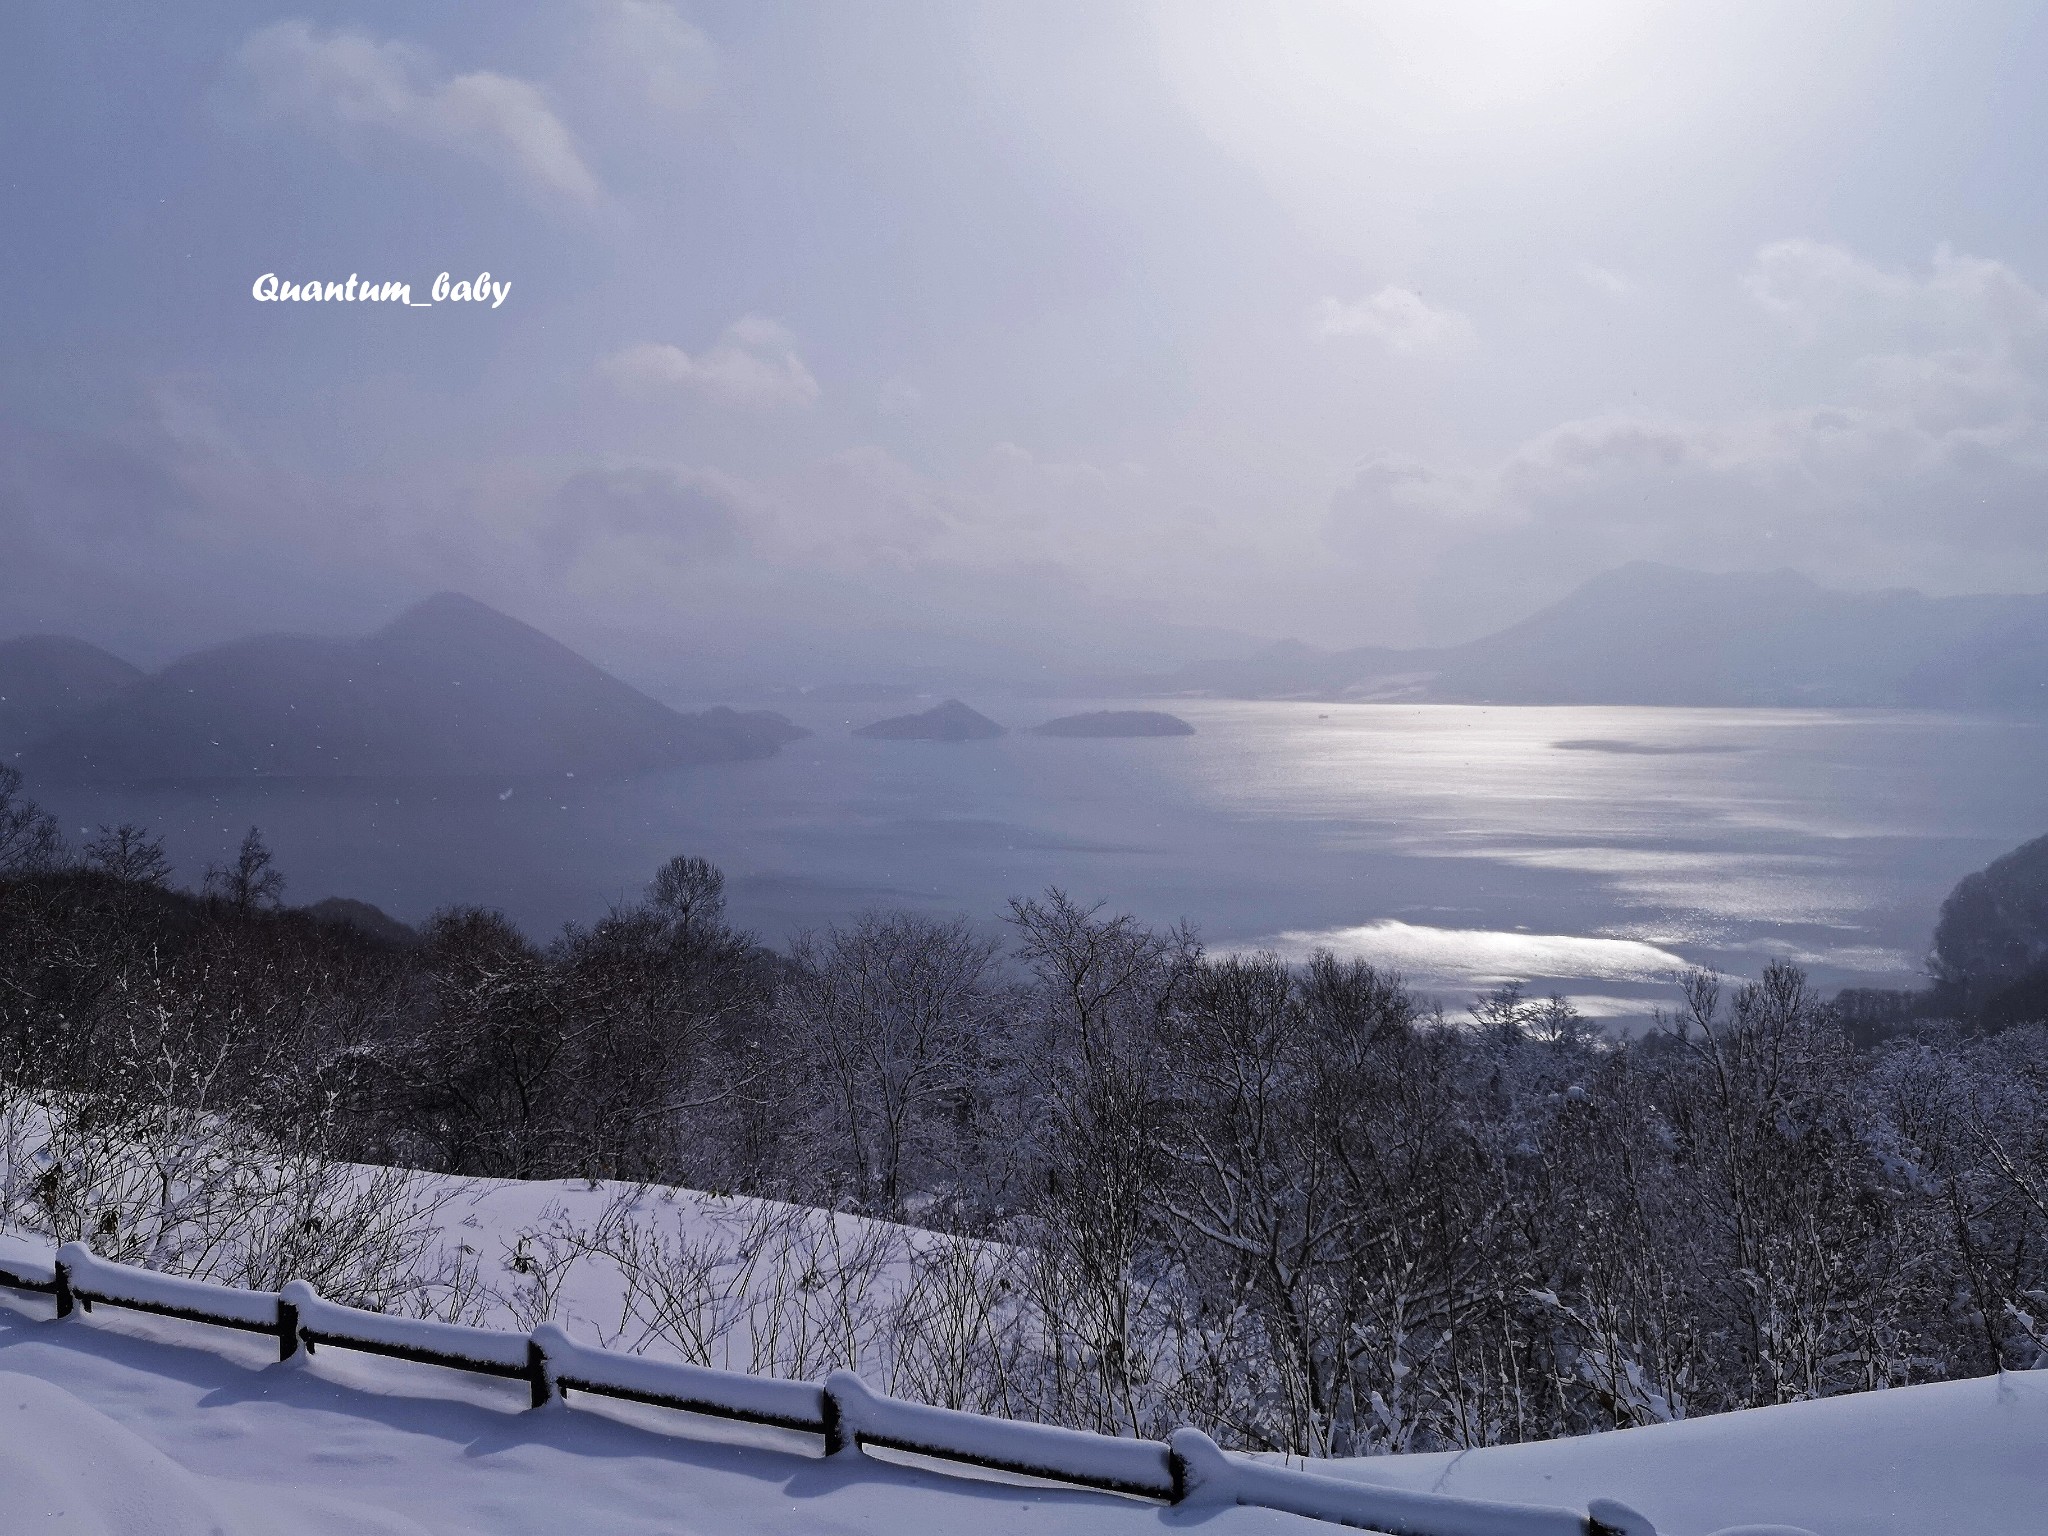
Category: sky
[840,338]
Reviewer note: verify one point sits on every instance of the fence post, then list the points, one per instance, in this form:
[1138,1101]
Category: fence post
[287,1329]
[844,1393]
[835,1424]
[1611,1517]
[1200,1469]
[539,1376]
[290,1318]
[65,1301]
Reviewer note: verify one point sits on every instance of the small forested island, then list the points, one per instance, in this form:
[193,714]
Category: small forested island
[1116,722]
[950,721]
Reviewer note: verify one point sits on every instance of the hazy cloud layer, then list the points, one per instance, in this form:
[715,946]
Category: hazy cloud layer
[1399,318]
[754,363]
[1926,460]
[353,87]
[665,514]
[1379,324]
[666,63]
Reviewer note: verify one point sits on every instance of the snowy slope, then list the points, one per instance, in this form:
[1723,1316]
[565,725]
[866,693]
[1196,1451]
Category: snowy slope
[133,1426]
[147,1427]
[708,1271]
[589,1295]
[1961,1456]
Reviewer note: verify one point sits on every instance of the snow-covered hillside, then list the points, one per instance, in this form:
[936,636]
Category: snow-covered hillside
[733,1282]
[1957,1456]
[129,1424]
[125,1425]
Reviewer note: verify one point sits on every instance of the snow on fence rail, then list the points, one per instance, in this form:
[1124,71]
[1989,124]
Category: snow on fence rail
[843,1410]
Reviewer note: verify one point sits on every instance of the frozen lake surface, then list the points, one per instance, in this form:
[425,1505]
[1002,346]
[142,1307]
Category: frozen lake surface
[1591,850]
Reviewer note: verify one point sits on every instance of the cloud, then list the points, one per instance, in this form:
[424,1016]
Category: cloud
[353,87]
[1392,522]
[677,516]
[1818,288]
[166,532]
[1606,280]
[1924,459]
[862,507]
[1390,485]
[753,364]
[646,46]
[899,398]
[1399,319]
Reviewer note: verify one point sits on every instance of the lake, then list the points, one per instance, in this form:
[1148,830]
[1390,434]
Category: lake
[1592,851]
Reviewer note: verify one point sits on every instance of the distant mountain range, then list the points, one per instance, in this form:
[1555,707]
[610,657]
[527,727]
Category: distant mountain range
[48,680]
[1651,634]
[452,687]
[449,688]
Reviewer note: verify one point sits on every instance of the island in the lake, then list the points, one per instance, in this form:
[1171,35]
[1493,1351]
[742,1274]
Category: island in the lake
[1116,722]
[950,721]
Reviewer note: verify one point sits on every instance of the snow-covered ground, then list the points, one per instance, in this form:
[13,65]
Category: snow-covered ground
[132,1426]
[125,1425]
[142,1426]
[1960,1456]
[725,1261]
[731,1282]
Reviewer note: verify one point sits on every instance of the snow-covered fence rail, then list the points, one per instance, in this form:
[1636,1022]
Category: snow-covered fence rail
[671,1384]
[843,1410]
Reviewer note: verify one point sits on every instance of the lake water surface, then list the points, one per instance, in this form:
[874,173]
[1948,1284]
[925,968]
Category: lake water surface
[1590,850]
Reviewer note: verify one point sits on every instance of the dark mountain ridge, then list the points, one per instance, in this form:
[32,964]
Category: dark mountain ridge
[449,688]
[48,680]
[1652,634]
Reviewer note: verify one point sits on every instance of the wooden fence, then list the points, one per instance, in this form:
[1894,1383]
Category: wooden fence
[842,1410]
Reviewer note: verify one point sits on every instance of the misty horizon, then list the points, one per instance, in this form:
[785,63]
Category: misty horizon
[1145,332]
[1165,659]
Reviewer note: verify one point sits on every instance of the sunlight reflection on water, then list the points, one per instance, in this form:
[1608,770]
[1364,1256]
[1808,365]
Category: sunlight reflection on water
[1482,957]
[1468,834]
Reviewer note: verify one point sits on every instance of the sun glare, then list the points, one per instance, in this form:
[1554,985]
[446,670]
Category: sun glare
[1328,99]
[1337,69]
[1470,58]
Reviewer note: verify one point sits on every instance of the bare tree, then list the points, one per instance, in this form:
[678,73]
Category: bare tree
[1106,988]
[1507,1012]
[128,852]
[892,1018]
[489,1074]
[666,994]
[249,882]
[30,841]
[1807,1263]
[689,892]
